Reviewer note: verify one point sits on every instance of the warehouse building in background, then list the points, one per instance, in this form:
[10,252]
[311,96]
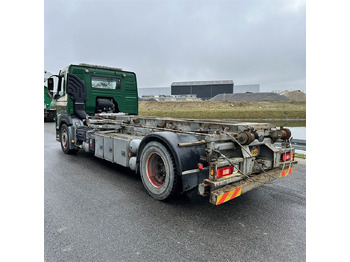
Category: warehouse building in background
[203,89]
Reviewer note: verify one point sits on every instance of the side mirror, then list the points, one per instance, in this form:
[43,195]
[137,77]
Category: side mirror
[50,84]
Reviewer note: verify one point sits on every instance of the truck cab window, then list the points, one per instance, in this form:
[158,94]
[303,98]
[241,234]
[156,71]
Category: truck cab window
[105,82]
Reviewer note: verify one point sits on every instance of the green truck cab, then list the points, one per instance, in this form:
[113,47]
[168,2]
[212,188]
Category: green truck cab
[49,106]
[106,89]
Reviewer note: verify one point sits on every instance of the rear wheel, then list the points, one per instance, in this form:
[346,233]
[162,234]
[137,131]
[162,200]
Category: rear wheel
[157,170]
[65,140]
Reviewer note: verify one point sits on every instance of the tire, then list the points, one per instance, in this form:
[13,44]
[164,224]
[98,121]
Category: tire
[64,137]
[158,171]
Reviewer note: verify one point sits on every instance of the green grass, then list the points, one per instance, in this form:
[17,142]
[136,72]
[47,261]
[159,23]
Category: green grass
[300,155]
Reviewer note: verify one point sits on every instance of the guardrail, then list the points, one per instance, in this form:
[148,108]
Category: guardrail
[298,144]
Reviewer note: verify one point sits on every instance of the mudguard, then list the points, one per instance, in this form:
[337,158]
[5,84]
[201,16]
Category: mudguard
[71,124]
[63,119]
[60,120]
[186,158]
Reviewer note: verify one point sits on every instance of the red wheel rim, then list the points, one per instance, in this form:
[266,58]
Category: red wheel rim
[156,170]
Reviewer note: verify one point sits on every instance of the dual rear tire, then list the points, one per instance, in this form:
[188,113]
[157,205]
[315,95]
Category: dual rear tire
[158,172]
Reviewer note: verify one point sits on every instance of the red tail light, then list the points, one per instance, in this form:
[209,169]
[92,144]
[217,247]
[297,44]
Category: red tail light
[288,156]
[224,171]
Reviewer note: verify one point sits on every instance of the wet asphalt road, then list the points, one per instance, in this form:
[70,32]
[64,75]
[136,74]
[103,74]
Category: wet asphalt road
[98,211]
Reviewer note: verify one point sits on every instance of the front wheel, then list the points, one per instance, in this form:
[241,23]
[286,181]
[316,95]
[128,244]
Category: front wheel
[157,170]
[65,140]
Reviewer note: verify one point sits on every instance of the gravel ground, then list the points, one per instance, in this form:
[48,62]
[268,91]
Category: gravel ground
[295,96]
[251,97]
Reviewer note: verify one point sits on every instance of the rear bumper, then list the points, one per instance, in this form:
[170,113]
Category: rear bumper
[235,189]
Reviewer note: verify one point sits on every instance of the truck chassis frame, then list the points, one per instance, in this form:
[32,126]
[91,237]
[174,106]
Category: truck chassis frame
[201,150]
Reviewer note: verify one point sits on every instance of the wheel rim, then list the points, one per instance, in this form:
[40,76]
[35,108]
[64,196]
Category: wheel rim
[156,170]
[64,138]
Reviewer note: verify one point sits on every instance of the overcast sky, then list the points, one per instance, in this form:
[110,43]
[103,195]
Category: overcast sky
[248,41]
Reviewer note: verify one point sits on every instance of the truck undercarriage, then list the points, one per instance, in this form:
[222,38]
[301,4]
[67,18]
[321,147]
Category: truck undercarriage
[224,160]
